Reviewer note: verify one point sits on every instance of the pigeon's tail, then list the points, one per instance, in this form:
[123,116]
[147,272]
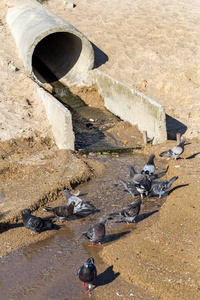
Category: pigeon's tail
[48,224]
[166,153]
[48,209]
[114,216]
[132,172]
[87,206]
[171,181]
[126,187]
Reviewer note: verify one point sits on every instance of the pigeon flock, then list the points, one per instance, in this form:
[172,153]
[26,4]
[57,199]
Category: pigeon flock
[140,185]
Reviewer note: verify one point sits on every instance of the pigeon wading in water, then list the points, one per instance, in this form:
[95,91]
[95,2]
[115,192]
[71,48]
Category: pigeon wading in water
[87,273]
[79,206]
[130,187]
[136,177]
[35,223]
[128,213]
[144,187]
[150,167]
[162,188]
[96,233]
[175,152]
[61,212]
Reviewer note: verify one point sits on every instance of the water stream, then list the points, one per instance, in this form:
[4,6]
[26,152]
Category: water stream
[47,269]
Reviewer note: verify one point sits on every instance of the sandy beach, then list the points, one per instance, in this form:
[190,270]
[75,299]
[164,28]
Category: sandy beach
[152,46]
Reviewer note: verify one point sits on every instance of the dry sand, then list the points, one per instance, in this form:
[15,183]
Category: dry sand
[152,46]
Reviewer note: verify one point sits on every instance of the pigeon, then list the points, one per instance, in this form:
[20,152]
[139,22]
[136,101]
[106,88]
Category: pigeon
[175,152]
[80,206]
[128,213]
[136,177]
[34,223]
[144,187]
[150,167]
[87,273]
[162,188]
[62,212]
[96,233]
[130,187]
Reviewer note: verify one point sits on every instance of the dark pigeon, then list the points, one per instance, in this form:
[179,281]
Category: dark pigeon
[36,224]
[150,167]
[87,273]
[162,188]
[61,212]
[175,152]
[144,187]
[96,233]
[136,177]
[130,187]
[128,213]
[80,206]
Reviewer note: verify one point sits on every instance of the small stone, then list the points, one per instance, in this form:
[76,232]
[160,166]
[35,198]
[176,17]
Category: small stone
[70,4]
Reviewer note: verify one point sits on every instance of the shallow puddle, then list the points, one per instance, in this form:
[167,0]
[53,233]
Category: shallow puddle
[47,269]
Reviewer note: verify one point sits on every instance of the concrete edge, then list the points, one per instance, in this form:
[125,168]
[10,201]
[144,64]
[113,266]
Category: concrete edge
[60,119]
[132,106]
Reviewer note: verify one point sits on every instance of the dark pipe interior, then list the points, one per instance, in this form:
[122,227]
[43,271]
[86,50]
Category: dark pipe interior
[55,56]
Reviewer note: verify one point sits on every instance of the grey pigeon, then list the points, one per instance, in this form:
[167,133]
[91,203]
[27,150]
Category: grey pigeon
[96,233]
[128,213]
[130,187]
[144,187]
[162,188]
[175,152]
[80,206]
[150,167]
[136,177]
[36,224]
[87,273]
[61,212]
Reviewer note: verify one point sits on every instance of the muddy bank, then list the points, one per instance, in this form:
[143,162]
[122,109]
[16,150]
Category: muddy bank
[33,174]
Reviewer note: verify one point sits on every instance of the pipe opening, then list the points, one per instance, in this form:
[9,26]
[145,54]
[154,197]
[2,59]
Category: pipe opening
[55,55]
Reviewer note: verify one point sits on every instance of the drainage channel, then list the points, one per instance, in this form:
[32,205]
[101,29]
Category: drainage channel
[96,129]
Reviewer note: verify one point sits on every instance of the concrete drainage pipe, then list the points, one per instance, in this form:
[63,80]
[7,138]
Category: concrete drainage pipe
[50,48]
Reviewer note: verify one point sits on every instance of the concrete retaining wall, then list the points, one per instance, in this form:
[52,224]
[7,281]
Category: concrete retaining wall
[50,48]
[60,119]
[133,106]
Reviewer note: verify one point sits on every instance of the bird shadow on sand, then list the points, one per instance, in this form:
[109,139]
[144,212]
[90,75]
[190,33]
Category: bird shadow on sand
[115,236]
[193,155]
[177,187]
[7,226]
[144,216]
[105,277]
[160,174]
[81,215]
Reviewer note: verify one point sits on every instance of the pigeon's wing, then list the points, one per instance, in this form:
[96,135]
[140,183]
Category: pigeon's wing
[139,177]
[35,223]
[90,233]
